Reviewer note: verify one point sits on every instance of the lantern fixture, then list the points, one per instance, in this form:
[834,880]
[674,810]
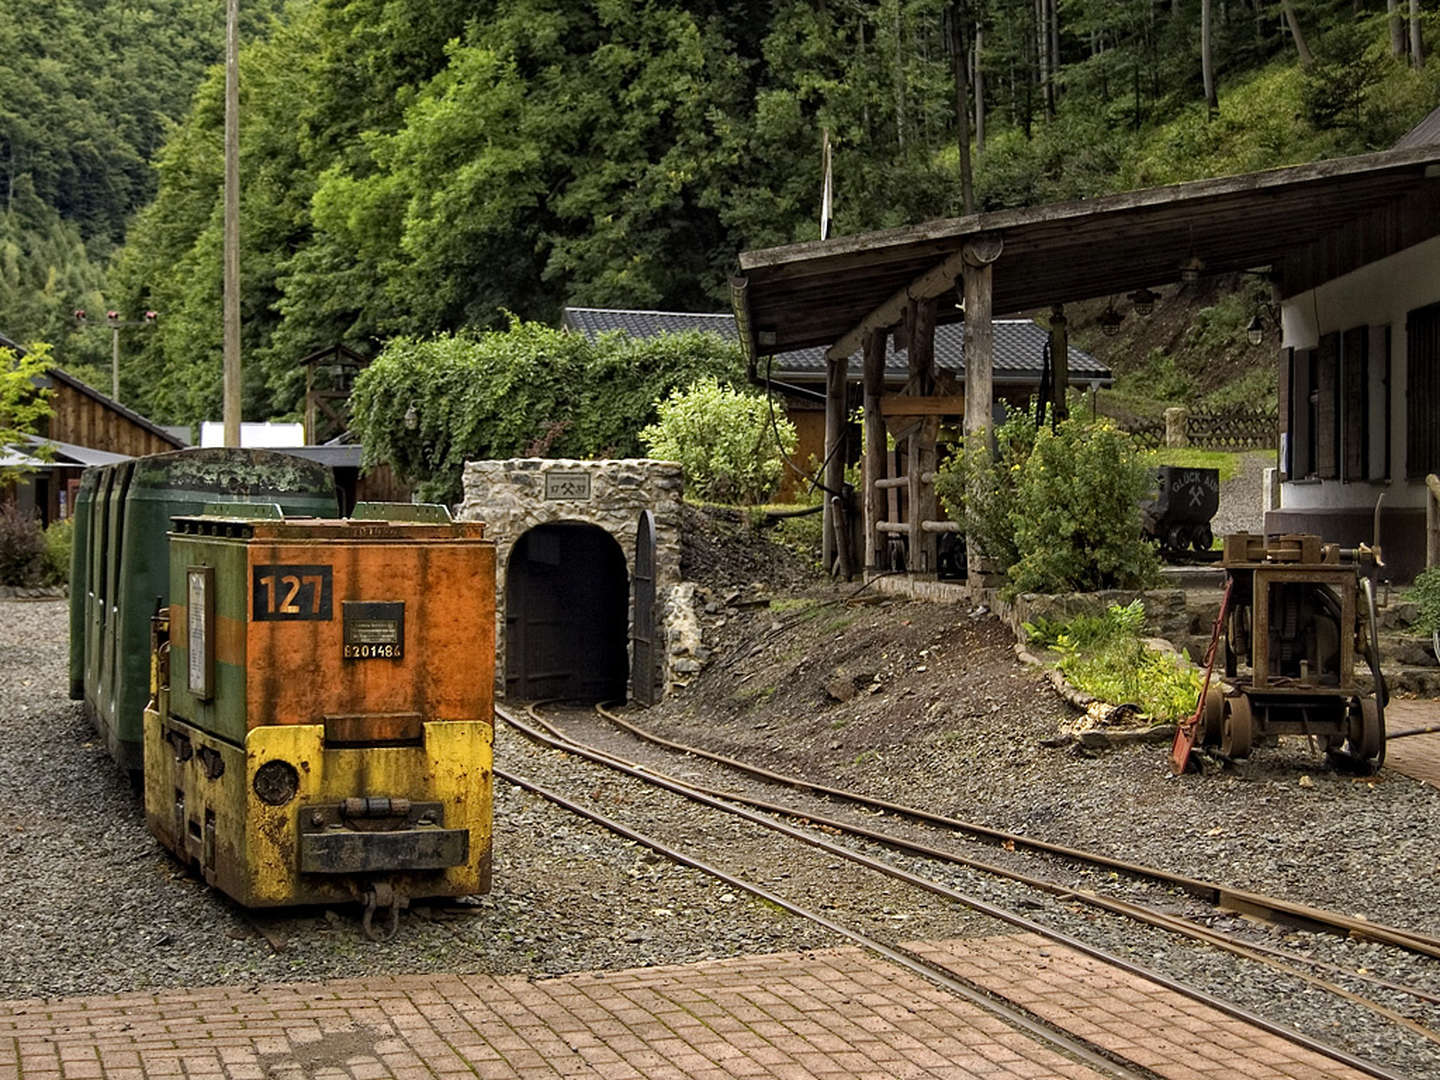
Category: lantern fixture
[1191,269]
[1144,301]
[1110,321]
[1255,332]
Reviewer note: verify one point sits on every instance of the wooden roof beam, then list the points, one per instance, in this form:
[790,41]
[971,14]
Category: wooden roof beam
[934,282]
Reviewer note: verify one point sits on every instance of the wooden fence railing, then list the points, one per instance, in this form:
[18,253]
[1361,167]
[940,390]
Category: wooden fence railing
[1221,429]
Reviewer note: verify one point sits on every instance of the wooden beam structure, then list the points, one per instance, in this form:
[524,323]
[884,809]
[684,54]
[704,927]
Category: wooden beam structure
[920,322]
[873,385]
[829,293]
[831,532]
[1060,360]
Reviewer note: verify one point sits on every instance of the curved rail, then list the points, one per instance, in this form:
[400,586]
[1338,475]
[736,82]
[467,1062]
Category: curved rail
[1223,896]
[723,801]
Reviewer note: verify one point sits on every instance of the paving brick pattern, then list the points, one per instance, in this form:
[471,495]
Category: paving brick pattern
[1419,755]
[789,1016]
[1128,1015]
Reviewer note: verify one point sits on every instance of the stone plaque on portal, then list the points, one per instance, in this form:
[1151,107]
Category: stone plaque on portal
[567,485]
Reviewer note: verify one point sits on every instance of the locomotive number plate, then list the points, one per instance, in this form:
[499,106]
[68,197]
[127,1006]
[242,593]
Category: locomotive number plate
[283,592]
[373,630]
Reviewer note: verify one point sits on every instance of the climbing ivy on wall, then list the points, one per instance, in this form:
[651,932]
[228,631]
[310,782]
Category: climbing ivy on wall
[428,405]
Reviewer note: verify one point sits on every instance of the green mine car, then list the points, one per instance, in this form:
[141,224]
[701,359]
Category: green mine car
[119,571]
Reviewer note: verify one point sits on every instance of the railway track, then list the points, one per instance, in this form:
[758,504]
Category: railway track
[920,867]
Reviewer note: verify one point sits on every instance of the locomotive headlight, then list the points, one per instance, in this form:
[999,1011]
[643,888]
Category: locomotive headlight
[276,782]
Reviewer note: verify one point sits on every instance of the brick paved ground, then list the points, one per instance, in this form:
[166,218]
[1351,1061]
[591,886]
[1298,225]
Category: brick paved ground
[789,1016]
[1419,755]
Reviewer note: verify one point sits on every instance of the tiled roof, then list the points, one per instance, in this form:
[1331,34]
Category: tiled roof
[1019,345]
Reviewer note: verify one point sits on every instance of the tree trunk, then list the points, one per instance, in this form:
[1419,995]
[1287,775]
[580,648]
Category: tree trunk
[1207,67]
[979,83]
[1417,42]
[1397,28]
[1040,41]
[960,67]
[899,83]
[1306,59]
[1054,40]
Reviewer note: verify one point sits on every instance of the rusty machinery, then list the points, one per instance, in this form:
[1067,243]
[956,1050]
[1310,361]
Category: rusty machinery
[1296,614]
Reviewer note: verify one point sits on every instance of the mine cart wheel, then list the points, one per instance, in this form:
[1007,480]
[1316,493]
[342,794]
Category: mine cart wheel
[1368,751]
[1212,719]
[1238,727]
[1177,539]
[1201,538]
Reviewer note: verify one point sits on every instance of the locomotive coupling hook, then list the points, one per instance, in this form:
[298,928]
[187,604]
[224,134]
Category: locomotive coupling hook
[382,894]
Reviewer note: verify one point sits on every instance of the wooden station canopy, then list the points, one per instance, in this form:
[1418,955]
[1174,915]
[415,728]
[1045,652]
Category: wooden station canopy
[830,292]
[1302,225]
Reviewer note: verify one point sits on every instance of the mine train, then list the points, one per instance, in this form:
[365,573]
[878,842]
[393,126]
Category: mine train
[307,699]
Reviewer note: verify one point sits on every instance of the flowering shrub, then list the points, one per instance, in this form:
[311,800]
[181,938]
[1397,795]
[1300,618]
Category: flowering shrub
[724,439]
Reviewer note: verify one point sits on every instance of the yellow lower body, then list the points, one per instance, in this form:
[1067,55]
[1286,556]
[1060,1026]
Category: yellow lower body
[203,806]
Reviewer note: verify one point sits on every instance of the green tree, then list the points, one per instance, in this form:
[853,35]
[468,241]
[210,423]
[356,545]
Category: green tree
[24,403]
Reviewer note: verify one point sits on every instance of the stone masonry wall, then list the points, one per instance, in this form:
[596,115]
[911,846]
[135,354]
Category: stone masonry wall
[513,496]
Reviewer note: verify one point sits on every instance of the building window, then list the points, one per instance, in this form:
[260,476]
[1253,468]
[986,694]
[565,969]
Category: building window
[1422,391]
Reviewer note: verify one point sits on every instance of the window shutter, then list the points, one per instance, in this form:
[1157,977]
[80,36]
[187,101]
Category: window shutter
[1422,391]
[1355,414]
[1327,399]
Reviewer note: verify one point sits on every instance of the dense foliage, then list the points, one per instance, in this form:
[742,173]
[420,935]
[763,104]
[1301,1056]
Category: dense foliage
[729,441]
[1058,507]
[91,92]
[1106,657]
[24,402]
[427,405]
[1425,593]
[413,167]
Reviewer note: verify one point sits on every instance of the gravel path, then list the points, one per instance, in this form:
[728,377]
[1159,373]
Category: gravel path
[94,905]
[1242,497]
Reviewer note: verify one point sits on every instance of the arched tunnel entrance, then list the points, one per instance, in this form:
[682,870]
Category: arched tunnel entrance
[566,615]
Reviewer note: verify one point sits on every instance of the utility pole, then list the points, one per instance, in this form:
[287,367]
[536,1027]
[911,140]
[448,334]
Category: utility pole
[232,224]
[115,324]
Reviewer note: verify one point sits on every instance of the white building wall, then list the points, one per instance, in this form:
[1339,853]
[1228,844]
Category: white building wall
[1379,294]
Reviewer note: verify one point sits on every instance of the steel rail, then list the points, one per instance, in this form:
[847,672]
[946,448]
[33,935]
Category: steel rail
[977,904]
[1222,896]
[1076,1048]
[1278,959]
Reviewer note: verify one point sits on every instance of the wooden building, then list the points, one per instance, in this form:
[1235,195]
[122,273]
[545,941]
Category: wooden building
[1353,228]
[85,428]
[1021,364]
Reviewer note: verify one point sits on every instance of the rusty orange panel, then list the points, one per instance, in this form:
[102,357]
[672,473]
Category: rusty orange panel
[305,669]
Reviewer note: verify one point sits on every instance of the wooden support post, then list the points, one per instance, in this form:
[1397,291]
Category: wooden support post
[1432,521]
[980,254]
[1060,360]
[921,320]
[873,384]
[835,372]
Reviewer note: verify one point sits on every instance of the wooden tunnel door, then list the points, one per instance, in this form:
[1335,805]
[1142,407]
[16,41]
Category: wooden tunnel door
[642,632]
[566,600]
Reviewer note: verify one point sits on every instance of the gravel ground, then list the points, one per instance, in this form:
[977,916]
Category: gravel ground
[94,905]
[1242,502]
[1286,999]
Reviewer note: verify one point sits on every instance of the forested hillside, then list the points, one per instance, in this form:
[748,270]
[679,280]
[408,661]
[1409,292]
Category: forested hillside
[417,166]
[90,90]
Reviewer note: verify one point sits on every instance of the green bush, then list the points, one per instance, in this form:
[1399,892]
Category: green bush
[22,547]
[724,439]
[1104,656]
[1059,509]
[1426,594]
[978,487]
[59,538]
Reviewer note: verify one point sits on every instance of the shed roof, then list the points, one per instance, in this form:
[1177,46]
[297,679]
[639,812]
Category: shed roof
[818,293]
[1425,133]
[1019,345]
